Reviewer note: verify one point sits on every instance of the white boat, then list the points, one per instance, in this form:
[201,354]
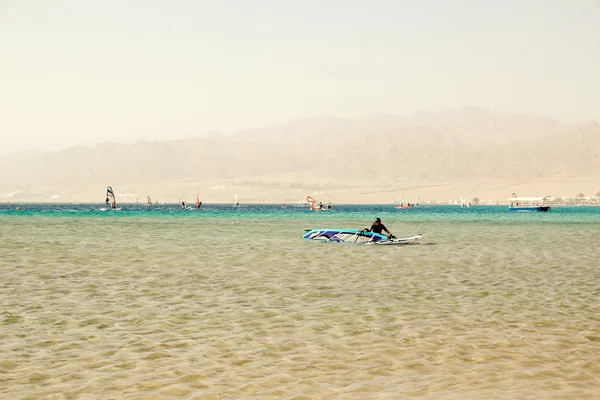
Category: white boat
[529,204]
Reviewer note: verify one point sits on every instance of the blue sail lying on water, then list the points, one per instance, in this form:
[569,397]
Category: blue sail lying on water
[355,237]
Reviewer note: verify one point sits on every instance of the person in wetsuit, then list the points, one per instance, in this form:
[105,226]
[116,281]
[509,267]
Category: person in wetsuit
[378,227]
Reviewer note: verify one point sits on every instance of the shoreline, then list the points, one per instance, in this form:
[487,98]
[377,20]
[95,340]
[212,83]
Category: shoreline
[224,204]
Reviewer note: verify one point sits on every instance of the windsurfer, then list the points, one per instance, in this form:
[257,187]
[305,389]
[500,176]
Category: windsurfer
[110,198]
[378,227]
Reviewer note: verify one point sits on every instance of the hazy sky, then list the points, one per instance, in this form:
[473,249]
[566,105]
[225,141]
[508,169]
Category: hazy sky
[82,72]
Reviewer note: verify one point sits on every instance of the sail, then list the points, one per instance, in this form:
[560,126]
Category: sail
[149,201]
[110,197]
[312,203]
[197,201]
[235,200]
[355,236]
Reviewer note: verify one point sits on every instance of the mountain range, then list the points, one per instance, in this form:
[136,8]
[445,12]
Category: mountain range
[464,152]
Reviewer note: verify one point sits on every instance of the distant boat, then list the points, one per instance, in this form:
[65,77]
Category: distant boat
[403,206]
[529,204]
[111,201]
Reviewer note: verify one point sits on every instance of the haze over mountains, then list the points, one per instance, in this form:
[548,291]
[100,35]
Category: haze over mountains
[465,152]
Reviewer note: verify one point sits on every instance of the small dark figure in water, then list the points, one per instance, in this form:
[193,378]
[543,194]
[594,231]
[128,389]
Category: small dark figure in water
[183,204]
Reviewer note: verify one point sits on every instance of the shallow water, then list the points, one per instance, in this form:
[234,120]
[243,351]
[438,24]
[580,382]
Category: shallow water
[231,303]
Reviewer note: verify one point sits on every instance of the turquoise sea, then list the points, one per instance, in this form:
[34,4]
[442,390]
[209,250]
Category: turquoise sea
[228,303]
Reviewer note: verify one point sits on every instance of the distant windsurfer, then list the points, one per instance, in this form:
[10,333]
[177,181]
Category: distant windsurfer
[378,227]
[183,204]
[110,198]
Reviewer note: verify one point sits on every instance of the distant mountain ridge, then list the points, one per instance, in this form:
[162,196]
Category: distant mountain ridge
[461,145]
